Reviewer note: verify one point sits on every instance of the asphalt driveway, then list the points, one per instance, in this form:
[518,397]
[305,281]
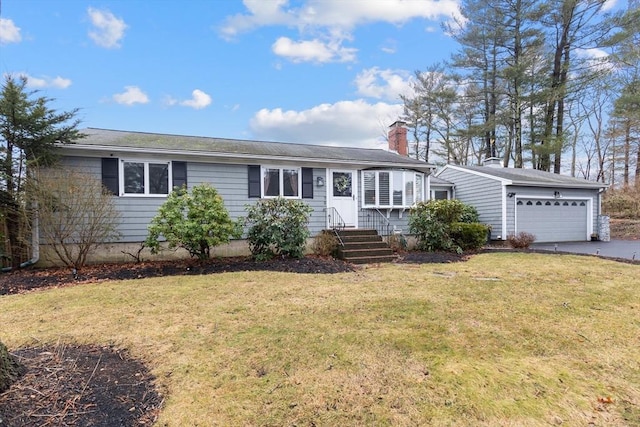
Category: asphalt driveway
[629,249]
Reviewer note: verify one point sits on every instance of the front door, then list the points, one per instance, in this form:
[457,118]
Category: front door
[343,191]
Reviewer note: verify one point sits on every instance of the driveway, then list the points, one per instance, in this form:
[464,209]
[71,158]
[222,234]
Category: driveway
[629,249]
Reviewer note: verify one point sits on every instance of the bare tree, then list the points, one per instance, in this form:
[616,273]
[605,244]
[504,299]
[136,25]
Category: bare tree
[76,214]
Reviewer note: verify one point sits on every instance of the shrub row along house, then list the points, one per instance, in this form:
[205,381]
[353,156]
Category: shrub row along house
[345,187]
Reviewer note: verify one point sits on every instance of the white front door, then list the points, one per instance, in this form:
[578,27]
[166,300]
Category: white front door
[343,193]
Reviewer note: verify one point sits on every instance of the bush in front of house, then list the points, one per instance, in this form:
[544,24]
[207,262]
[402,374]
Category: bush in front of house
[522,240]
[195,221]
[431,222]
[76,214]
[277,227]
[469,236]
[325,243]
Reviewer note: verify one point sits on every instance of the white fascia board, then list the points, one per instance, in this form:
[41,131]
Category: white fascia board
[79,149]
[587,185]
[504,181]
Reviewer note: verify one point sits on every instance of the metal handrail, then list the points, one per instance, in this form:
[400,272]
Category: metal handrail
[376,220]
[336,223]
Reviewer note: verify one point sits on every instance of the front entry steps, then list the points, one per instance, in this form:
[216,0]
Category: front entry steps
[363,246]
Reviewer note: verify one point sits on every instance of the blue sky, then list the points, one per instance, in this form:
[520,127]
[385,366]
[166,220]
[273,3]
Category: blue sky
[316,71]
[312,71]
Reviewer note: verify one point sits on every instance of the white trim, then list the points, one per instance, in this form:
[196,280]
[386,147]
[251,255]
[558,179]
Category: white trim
[280,181]
[354,191]
[146,162]
[473,172]
[504,213]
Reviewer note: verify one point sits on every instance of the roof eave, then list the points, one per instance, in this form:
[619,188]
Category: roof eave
[589,186]
[231,157]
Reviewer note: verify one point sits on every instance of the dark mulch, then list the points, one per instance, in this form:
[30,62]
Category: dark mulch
[29,279]
[80,386]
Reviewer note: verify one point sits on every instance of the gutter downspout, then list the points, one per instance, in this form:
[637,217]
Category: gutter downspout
[35,245]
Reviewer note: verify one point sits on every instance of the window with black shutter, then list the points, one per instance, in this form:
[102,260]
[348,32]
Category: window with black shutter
[110,176]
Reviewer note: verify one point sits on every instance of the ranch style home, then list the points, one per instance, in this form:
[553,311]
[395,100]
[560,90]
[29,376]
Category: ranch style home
[347,188]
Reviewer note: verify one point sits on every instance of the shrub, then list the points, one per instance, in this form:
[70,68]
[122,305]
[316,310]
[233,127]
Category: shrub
[75,212]
[325,243]
[196,222]
[431,233]
[398,242]
[469,214]
[278,227]
[469,236]
[431,222]
[522,240]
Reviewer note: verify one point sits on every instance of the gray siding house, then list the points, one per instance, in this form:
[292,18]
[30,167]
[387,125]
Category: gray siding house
[553,207]
[346,187]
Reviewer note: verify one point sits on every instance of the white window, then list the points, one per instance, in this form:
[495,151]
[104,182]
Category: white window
[285,182]
[392,189]
[145,178]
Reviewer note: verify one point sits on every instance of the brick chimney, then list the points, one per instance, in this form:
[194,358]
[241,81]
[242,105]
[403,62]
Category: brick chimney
[398,138]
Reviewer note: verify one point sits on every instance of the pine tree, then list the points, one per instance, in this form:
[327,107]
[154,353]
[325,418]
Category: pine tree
[29,130]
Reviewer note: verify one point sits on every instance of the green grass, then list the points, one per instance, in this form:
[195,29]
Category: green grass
[503,339]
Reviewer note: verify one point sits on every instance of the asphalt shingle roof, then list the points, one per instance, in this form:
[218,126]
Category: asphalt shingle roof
[533,177]
[242,148]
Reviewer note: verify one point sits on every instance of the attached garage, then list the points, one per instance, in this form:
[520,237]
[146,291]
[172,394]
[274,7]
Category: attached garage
[552,207]
[553,220]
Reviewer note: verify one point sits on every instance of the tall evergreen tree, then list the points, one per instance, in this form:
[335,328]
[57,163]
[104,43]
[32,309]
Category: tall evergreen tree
[29,130]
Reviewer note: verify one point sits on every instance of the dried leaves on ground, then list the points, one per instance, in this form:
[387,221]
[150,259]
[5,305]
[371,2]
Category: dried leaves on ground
[80,386]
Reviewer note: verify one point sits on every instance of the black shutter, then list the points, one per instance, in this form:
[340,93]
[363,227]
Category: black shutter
[307,183]
[254,181]
[110,177]
[179,172]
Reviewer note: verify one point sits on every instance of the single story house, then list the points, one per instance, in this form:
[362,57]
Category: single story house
[346,187]
[553,207]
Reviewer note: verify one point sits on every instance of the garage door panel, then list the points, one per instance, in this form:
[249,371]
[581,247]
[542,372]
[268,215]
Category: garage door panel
[553,220]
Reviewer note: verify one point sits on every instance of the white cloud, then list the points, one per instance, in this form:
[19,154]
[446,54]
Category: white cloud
[334,19]
[108,30]
[46,82]
[9,32]
[132,95]
[198,100]
[313,50]
[383,84]
[345,123]
[261,13]
[592,53]
[335,13]
[608,5]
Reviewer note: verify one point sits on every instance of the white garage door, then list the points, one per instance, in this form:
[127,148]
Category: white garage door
[553,220]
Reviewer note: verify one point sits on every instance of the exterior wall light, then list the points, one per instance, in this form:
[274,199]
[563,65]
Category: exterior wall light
[320,181]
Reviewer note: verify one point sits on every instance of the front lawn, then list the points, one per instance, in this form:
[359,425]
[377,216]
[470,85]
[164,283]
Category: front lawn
[502,339]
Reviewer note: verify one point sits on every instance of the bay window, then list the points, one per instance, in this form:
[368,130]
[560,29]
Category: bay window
[392,189]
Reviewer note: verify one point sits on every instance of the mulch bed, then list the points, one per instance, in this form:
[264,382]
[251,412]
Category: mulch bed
[80,386]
